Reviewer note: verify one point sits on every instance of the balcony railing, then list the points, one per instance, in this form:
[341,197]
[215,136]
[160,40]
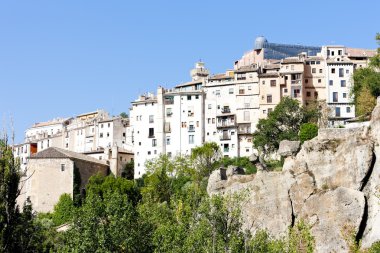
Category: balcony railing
[225,137]
[226,110]
[293,82]
[226,124]
[191,129]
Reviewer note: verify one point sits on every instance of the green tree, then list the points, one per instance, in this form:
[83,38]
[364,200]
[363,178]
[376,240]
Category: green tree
[63,210]
[282,124]
[366,87]
[308,131]
[124,115]
[204,158]
[106,224]
[18,232]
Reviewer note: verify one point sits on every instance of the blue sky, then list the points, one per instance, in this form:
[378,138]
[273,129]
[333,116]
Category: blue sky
[62,58]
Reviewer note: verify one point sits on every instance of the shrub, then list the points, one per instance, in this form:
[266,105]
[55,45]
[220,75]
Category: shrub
[308,131]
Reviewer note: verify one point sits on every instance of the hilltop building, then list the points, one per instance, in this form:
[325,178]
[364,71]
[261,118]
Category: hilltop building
[55,171]
[95,133]
[225,108]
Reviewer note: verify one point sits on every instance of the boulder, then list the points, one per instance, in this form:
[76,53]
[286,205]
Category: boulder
[333,216]
[253,158]
[338,162]
[288,148]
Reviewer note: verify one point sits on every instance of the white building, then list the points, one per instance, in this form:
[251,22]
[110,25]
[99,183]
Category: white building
[339,70]
[88,133]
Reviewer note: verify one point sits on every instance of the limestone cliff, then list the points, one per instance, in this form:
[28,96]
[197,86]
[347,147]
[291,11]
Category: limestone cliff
[332,183]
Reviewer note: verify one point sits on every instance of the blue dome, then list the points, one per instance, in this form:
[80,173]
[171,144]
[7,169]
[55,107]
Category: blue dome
[260,42]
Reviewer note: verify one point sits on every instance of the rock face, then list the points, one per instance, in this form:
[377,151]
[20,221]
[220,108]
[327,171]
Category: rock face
[330,213]
[288,148]
[332,183]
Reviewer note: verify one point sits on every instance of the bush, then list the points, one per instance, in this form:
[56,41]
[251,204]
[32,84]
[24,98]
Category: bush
[242,162]
[63,210]
[308,131]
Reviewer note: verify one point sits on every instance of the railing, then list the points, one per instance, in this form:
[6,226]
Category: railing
[295,81]
[225,124]
[225,137]
[191,129]
[226,110]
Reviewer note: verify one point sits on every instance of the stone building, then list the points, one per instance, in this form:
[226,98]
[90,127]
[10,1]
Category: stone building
[55,171]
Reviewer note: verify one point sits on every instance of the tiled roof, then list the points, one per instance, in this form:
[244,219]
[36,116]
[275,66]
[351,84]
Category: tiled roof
[54,152]
[359,52]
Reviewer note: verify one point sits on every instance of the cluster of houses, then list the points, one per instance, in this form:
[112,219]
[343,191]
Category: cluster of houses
[223,108]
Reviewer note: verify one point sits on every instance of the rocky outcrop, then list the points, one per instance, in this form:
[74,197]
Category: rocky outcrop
[288,148]
[331,215]
[333,183]
[267,206]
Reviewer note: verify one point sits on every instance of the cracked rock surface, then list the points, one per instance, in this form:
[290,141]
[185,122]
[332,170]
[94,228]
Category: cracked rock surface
[333,183]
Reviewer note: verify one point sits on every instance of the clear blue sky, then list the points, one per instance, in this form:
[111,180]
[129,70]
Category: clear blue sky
[61,58]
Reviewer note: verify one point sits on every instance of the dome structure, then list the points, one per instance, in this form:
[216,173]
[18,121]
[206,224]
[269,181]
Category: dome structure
[260,42]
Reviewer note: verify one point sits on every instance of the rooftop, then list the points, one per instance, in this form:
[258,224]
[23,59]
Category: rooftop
[58,153]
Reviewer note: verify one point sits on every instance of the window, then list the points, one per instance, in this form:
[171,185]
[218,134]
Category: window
[319,80]
[335,96]
[101,125]
[306,80]
[313,70]
[246,116]
[285,90]
[183,124]
[269,98]
[213,120]
[108,134]
[270,110]
[241,90]
[169,154]
[331,82]
[320,71]
[151,132]
[231,91]
[188,97]
[191,139]
[308,93]
[208,120]
[209,106]
[347,71]
[249,87]
[167,140]
[339,52]
[151,118]
[272,83]
[149,153]
[109,124]
[341,72]
[316,94]
[191,126]
[217,92]
[263,82]
[337,111]
[169,112]
[344,95]
[196,96]
[63,167]
[342,83]
[101,135]
[348,109]
[154,142]
[332,71]
[291,67]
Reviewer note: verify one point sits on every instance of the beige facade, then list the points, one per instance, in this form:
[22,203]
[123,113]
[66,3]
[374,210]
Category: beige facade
[52,172]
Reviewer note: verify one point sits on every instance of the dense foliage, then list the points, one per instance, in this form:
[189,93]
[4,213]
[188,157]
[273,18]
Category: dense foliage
[308,131]
[366,86]
[282,124]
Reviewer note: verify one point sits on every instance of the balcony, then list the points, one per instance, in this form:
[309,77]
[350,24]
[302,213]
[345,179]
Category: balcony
[226,121]
[226,110]
[295,82]
[191,129]
[225,137]
[244,129]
